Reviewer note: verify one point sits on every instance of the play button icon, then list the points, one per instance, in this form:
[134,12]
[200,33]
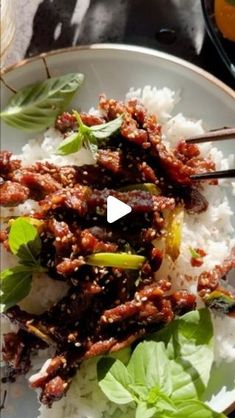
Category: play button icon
[116,209]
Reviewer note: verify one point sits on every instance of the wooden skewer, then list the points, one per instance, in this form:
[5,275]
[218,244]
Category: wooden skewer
[224,174]
[216,135]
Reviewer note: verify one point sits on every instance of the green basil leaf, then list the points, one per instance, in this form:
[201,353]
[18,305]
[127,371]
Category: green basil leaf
[195,409]
[114,380]
[88,136]
[122,355]
[90,143]
[189,344]
[153,395]
[24,240]
[140,391]
[15,285]
[81,125]
[36,106]
[232,2]
[118,413]
[105,130]
[103,366]
[71,144]
[160,400]
[149,365]
[145,411]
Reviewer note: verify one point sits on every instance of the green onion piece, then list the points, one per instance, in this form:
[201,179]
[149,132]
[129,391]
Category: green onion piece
[35,330]
[119,260]
[174,225]
[194,253]
[220,301]
[146,187]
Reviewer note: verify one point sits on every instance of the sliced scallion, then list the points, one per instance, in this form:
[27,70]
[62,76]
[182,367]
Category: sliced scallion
[145,187]
[119,260]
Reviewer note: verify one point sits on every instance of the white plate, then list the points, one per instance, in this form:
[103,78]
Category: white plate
[113,69]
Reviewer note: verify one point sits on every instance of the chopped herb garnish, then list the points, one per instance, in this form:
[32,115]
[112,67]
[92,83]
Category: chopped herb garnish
[25,243]
[161,378]
[88,136]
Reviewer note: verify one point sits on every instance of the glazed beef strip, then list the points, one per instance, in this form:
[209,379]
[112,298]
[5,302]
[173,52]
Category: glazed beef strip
[138,152]
[17,351]
[105,309]
[176,169]
[106,330]
[209,281]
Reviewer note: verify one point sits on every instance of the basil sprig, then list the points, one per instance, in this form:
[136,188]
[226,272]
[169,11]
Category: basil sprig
[88,136]
[35,107]
[167,376]
[25,243]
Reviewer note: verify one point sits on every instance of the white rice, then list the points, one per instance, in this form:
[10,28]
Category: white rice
[44,148]
[211,231]
[84,399]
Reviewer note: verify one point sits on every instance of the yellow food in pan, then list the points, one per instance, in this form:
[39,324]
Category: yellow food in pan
[225,18]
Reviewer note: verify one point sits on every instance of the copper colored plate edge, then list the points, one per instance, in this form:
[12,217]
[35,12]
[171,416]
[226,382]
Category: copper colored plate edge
[129,48]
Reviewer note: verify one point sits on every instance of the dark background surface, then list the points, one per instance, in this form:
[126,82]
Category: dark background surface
[173,26]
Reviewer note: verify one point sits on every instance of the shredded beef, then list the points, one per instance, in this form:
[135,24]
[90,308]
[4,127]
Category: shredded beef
[83,200]
[67,122]
[210,280]
[152,306]
[105,308]
[12,193]
[7,164]
[16,352]
[194,200]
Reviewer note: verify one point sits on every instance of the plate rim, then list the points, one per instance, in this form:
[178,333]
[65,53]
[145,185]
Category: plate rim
[126,48]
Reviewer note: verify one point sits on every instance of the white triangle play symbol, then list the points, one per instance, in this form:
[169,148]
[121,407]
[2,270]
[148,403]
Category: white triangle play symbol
[116,209]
